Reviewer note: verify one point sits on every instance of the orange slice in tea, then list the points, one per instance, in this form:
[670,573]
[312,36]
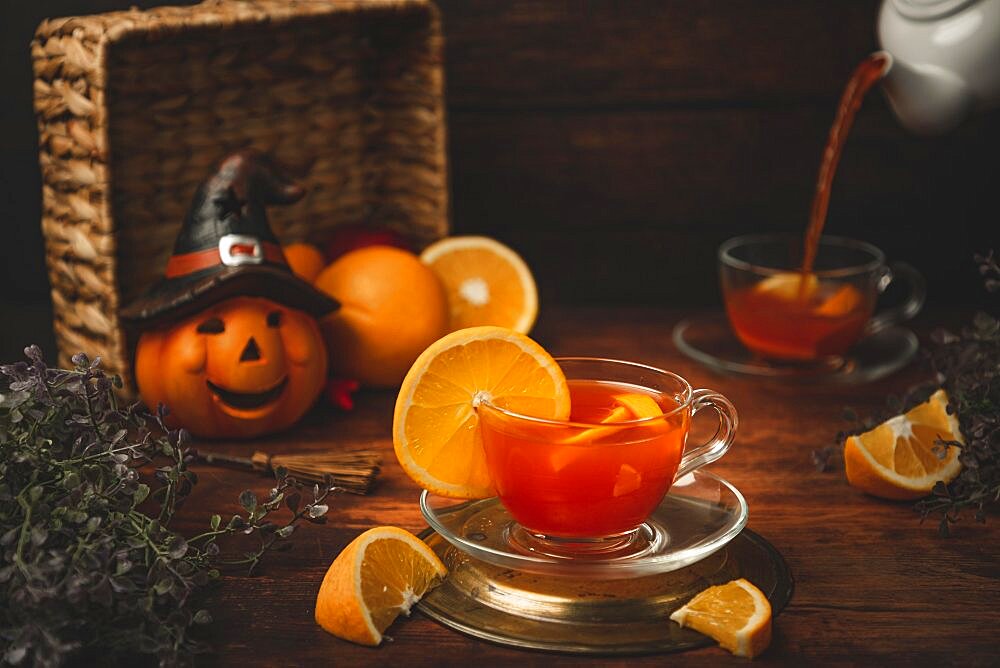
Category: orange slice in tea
[840,303]
[788,286]
[736,614]
[435,427]
[900,458]
[627,407]
[639,405]
[487,283]
[381,574]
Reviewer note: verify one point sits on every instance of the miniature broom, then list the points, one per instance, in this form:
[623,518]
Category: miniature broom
[355,471]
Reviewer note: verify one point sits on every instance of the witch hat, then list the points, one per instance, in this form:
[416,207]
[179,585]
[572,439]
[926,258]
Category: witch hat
[226,248]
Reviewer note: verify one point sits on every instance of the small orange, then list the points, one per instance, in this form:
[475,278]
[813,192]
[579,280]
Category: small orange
[305,260]
[391,308]
[897,459]
[736,614]
[382,573]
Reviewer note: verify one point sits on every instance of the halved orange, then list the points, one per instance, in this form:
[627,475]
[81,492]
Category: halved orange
[435,427]
[381,574]
[736,614]
[487,283]
[898,459]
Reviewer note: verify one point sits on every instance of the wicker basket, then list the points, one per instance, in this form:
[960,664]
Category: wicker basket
[135,107]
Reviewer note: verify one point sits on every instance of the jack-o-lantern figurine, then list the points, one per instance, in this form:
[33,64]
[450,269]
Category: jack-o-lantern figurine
[229,338]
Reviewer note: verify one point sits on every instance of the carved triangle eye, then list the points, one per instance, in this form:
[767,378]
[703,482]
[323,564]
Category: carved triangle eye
[274,319]
[211,326]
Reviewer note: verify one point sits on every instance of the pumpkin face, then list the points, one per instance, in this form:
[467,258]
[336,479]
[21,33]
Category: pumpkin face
[242,368]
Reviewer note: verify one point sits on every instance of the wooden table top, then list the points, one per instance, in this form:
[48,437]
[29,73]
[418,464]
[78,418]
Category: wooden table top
[872,584]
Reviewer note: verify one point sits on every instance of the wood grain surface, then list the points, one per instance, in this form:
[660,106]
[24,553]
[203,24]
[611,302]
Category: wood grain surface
[873,586]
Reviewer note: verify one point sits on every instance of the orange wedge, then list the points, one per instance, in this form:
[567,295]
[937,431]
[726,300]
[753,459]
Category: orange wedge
[381,574]
[435,427]
[736,614]
[897,459]
[487,283]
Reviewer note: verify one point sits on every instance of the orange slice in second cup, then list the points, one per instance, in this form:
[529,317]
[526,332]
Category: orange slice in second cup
[435,427]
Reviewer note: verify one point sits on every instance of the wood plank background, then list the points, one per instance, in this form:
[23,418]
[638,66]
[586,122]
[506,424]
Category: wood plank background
[615,145]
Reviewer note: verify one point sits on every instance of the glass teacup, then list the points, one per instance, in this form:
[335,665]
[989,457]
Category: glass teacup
[587,483]
[781,314]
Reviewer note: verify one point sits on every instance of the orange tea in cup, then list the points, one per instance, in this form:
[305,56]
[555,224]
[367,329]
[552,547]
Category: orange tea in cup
[795,317]
[601,473]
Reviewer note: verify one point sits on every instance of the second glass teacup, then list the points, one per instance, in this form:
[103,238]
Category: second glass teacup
[781,314]
[584,483]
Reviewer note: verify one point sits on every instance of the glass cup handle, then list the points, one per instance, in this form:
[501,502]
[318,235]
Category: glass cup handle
[724,435]
[910,306]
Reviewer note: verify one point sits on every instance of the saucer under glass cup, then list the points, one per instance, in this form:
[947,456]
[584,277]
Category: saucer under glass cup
[529,569]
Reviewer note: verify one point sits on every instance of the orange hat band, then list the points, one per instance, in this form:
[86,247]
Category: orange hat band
[234,250]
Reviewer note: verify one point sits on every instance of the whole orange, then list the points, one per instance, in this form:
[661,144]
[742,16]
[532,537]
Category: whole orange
[392,306]
[305,260]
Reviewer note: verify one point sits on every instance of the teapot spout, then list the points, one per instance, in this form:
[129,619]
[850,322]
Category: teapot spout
[927,99]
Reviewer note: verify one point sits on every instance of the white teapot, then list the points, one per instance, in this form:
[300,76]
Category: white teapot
[944,60]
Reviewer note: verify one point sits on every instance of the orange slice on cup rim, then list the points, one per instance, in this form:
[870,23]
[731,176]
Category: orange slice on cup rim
[436,433]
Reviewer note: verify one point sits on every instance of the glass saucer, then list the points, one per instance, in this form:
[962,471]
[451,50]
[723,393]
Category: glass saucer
[709,340]
[700,515]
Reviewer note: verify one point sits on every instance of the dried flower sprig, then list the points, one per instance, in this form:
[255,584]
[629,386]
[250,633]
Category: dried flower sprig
[88,564]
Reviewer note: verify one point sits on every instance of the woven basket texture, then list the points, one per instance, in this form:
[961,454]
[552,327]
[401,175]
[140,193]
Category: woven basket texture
[135,107]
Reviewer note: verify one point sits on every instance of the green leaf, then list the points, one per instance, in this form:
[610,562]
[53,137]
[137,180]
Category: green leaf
[141,492]
[248,500]
[178,547]
[216,521]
